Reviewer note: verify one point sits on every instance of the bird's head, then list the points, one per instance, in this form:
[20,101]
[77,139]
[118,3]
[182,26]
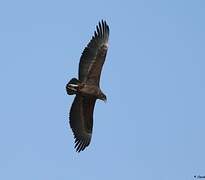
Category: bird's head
[102,97]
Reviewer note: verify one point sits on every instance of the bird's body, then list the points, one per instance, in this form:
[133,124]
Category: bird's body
[86,87]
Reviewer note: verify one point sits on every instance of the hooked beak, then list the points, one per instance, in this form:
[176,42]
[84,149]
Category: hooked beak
[104,99]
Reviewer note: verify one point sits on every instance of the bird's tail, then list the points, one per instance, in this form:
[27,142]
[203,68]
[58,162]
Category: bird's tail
[72,86]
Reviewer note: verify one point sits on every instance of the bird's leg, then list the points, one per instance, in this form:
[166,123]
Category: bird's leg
[76,87]
[73,87]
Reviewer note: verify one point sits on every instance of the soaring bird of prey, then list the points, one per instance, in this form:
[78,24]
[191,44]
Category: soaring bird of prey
[86,87]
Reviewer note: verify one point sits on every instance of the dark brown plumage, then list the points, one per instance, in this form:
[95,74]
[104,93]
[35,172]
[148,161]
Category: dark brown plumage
[86,87]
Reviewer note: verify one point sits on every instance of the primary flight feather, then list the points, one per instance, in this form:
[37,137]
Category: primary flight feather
[86,87]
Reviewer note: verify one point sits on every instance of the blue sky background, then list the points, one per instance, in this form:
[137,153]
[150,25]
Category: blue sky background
[152,126]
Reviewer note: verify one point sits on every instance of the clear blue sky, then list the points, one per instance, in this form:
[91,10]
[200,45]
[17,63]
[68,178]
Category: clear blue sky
[152,126]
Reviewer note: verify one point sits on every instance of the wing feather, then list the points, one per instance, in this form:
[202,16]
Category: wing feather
[93,56]
[81,121]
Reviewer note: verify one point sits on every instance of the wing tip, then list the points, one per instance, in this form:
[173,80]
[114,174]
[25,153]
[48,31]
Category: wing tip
[81,144]
[102,29]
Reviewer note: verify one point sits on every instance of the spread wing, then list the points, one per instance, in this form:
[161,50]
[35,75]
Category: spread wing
[81,121]
[93,56]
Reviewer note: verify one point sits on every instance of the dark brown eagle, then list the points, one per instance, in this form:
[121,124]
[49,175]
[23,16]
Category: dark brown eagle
[87,88]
